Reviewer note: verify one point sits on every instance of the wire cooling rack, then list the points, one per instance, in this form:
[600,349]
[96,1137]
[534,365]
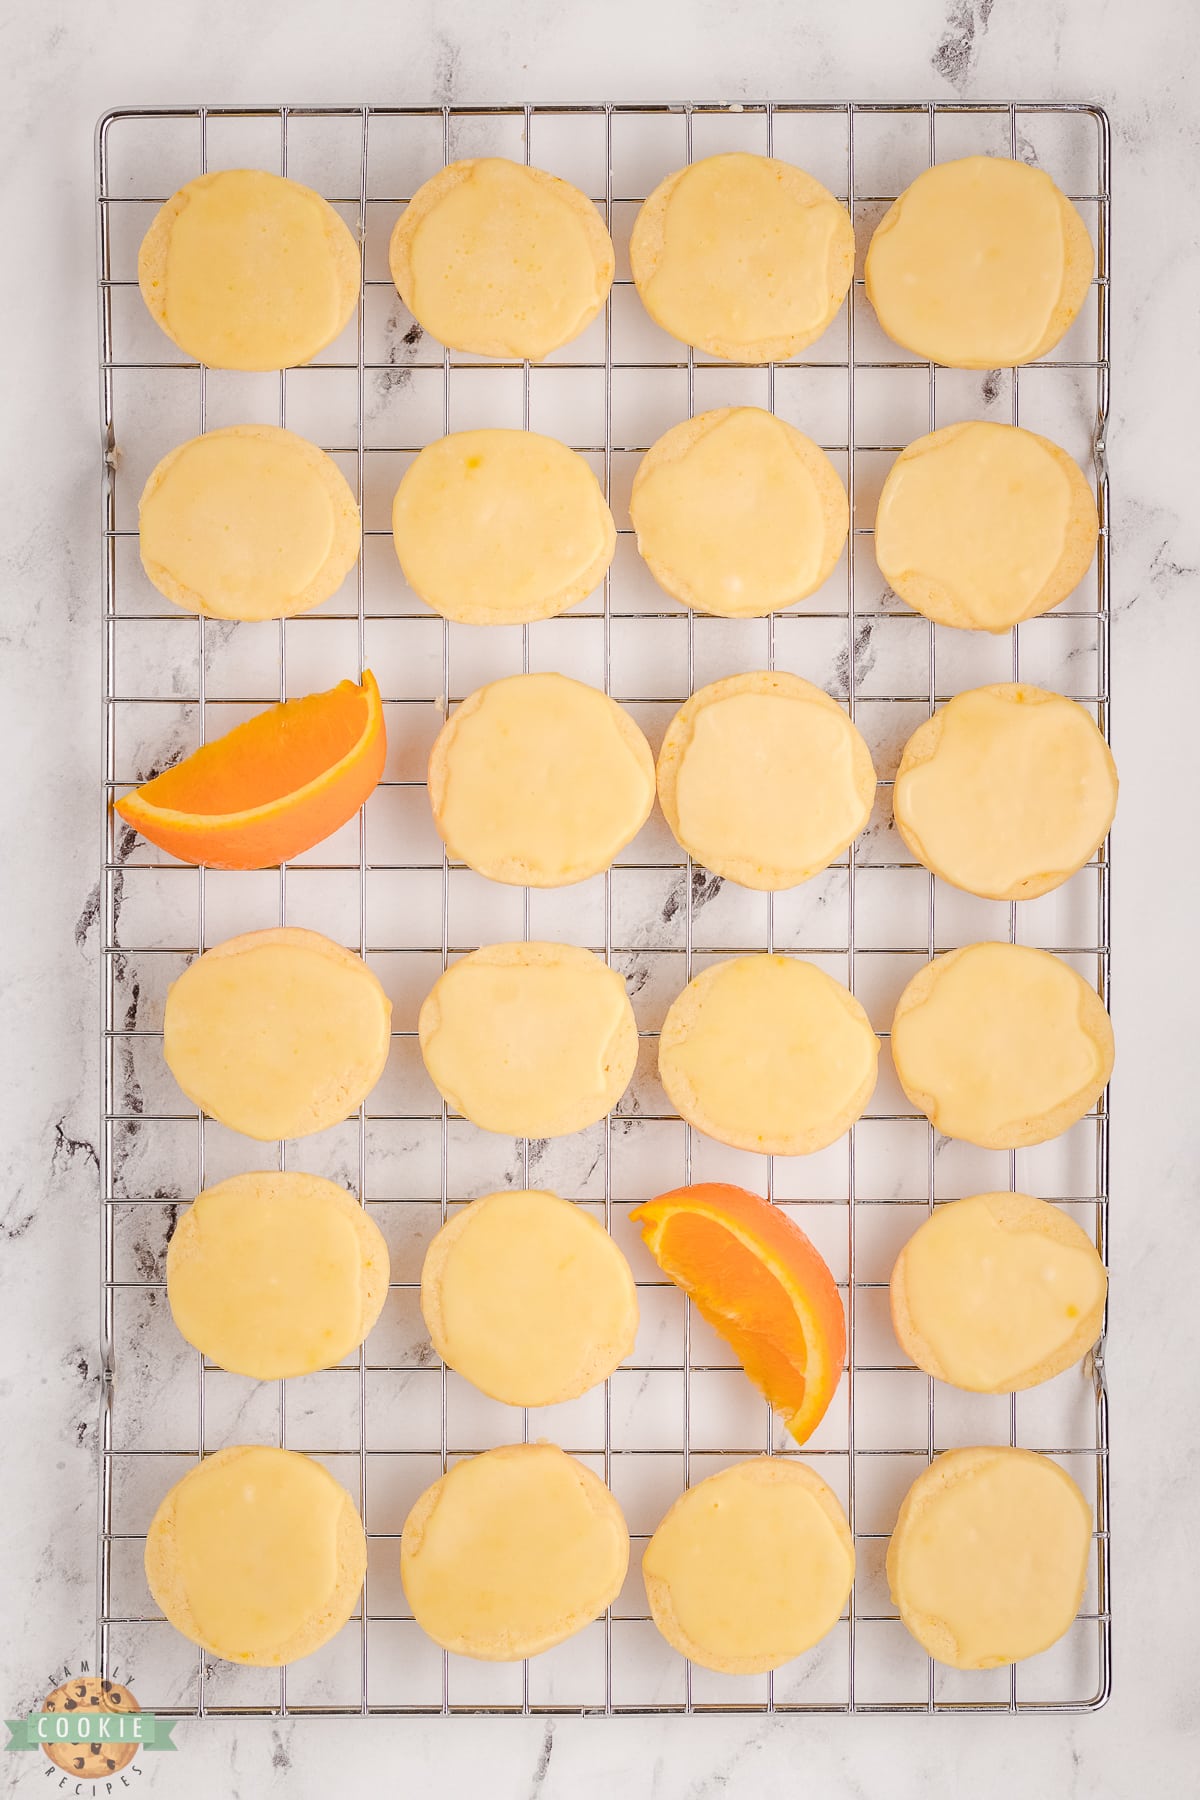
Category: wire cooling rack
[386,1422]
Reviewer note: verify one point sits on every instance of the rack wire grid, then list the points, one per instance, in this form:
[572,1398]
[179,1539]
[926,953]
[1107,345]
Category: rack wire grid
[388,1420]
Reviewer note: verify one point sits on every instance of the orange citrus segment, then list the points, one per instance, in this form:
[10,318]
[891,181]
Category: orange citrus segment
[759,1282]
[270,788]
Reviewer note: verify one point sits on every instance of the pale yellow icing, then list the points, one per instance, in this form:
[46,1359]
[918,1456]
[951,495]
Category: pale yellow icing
[533,1040]
[254,1548]
[969,266]
[989,1555]
[1018,792]
[277,1033]
[768,1053]
[247,270]
[737,513]
[512,1551]
[764,779]
[276,1274]
[539,780]
[527,1296]
[744,262]
[249,522]
[1005,1045]
[750,1567]
[979,514]
[998,1286]
[501,527]
[501,259]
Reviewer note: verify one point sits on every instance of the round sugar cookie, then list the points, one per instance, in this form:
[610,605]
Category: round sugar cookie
[531,1040]
[980,526]
[1006,791]
[245,270]
[248,522]
[511,1552]
[768,1053]
[764,779]
[503,260]
[737,513]
[276,1273]
[744,256]
[527,1296]
[980,263]
[751,1567]
[997,1292]
[501,527]
[539,781]
[277,1033]
[1001,1045]
[989,1556]
[257,1555]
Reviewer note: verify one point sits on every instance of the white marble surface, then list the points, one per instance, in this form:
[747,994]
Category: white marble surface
[64,64]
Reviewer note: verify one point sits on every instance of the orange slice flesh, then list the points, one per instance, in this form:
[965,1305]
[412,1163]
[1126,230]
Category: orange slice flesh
[760,1282]
[270,788]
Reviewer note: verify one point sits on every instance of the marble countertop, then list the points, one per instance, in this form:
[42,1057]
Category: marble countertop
[63,66]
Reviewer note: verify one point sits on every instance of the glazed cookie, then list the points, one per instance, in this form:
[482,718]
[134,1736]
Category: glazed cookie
[257,1555]
[979,263]
[92,1694]
[980,526]
[737,513]
[527,1296]
[1001,1045]
[997,1292]
[989,1556]
[511,1552]
[751,1567]
[1006,791]
[277,1033]
[245,270]
[743,256]
[249,522]
[532,1040]
[501,527]
[539,780]
[768,1053]
[276,1273]
[497,258]
[764,780]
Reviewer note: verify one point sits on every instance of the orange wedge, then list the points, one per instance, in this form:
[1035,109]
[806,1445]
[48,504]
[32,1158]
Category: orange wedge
[762,1284]
[269,788]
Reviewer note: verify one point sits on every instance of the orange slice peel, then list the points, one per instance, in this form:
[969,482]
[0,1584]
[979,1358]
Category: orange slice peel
[270,788]
[762,1284]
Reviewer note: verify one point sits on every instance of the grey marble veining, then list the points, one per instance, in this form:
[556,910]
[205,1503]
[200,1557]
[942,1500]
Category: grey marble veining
[64,68]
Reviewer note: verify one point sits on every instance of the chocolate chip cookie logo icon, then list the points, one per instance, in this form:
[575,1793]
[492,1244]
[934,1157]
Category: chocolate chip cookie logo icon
[91,1727]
